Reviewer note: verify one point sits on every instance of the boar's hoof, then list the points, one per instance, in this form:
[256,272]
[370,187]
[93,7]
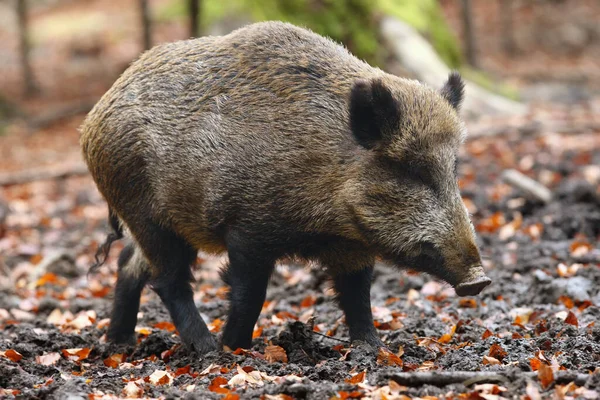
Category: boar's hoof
[473,287]
[204,344]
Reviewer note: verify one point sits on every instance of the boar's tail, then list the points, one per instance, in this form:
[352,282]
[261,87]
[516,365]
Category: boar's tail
[116,234]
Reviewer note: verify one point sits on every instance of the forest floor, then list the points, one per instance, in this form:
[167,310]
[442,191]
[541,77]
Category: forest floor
[532,334]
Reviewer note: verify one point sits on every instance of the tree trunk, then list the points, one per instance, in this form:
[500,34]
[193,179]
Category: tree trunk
[146,24]
[470,45]
[506,16]
[29,86]
[195,8]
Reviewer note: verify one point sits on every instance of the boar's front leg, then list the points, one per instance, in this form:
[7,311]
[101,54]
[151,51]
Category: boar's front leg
[354,297]
[247,276]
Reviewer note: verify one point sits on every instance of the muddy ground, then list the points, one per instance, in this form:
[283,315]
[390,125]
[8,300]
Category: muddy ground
[540,314]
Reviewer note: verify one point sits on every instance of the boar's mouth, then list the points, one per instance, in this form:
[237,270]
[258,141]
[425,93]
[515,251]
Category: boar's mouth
[469,282]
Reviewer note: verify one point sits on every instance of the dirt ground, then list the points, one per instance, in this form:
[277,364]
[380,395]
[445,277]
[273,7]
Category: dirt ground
[538,315]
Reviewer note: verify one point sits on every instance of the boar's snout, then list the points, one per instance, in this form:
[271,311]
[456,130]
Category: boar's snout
[473,283]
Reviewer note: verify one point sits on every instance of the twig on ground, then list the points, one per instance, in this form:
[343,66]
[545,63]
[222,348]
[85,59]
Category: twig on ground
[528,185]
[42,174]
[443,378]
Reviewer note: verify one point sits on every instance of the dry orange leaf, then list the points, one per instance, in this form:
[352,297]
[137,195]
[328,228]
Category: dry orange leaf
[308,301]
[165,325]
[48,359]
[216,325]
[159,377]
[132,390]
[48,277]
[448,336]
[486,334]
[545,375]
[257,332]
[497,352]
[386,357]
[343,395]
[35,259]
[571,319]
[579,247]
[114,360]
[275,354]
[215,385]
[467,303]
[535,363]
[232,396]
[77,354]
[490,361]
[358,378]
[183,370]
[12,355]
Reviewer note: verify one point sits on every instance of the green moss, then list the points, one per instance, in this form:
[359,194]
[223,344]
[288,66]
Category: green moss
[426,17]
[352,22]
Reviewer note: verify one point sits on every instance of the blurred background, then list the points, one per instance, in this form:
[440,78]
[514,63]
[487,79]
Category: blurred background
[57,57]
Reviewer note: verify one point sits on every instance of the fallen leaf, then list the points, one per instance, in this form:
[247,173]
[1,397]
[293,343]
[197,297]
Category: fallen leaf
[183,370]
[308,301]
[216,385]
[211,369]
[486,334]
[490,360]
[77,354]
[275,354]
[467,303]
[448,336]
[114,360]
[358,378]
[216,325]
[257,332]
[132,390]
[571,319]
[12,355]
[535,363]
[386,357]
[48,359]
[580,247]
[545,375]
[159,377]
[165,325]
[497,352]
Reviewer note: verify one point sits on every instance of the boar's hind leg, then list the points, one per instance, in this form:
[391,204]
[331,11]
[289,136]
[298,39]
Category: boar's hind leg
[171,257]
[131,279]
[354,296]
[247,275]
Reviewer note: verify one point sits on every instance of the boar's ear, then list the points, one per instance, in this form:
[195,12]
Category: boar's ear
[374,113]
[454,90]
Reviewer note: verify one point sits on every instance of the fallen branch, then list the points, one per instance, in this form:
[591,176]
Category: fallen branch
[528,185]
[53,116]
[443,378]
[42,174]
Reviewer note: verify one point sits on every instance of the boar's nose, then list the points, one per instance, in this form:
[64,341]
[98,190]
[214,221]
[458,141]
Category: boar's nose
[473,283]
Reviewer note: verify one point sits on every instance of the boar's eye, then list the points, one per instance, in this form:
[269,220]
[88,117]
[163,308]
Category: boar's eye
[417,172]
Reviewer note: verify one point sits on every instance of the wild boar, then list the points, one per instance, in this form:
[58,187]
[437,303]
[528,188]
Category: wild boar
[274,142]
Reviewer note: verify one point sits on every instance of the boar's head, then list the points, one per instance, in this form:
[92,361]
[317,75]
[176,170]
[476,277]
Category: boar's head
[405,197]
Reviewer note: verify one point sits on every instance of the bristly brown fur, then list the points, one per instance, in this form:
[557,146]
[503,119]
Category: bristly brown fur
[271,142]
